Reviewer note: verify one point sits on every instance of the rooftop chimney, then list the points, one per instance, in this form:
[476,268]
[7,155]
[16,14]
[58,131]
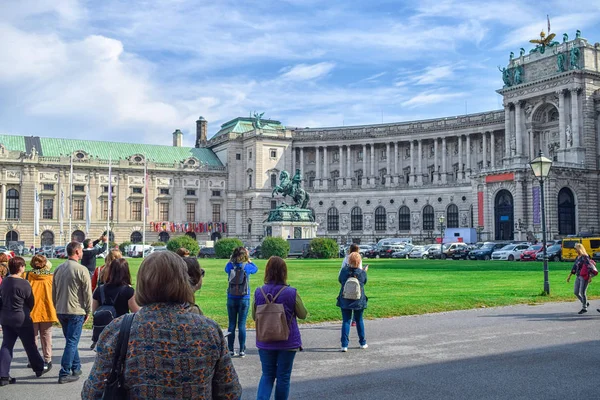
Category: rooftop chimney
[201,132]
[177,138]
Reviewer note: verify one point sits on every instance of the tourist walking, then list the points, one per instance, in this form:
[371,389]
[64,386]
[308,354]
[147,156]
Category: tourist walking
[116,292]
[238,269]
[172,353]
[91,250]
[352,300]
[72,296]
[277,358]
[16,303]
[43,313]
[583,278]
[100,273]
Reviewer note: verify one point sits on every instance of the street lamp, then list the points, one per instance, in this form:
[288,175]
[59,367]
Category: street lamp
[541,168]
[441,220]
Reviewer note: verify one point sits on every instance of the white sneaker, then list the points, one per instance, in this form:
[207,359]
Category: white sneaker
[344,349]
[364,346]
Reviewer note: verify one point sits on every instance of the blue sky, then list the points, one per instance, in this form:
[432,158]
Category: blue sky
[137,70]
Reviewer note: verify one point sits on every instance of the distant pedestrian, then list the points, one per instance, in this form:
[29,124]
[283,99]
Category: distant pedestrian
[352,300]
[353,249]
[72,296]
[582,281]
[100,273]
[91,250]
[238,269]
[43,313]
[16,303]
[277,358]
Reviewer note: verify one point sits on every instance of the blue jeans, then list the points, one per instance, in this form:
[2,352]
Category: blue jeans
[276,364]
[71,327]
[360,326]
[237,310]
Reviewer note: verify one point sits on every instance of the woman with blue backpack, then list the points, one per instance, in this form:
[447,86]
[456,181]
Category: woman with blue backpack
[352,300]
[238,269]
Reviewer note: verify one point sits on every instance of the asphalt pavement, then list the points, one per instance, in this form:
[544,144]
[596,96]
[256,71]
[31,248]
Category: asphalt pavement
[518,352]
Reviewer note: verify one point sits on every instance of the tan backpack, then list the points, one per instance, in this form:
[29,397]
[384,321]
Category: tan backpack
[271,322]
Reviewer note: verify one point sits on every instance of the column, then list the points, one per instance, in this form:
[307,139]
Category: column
[4,201]
[444,167]
[325,168]
[396,155]
[348,163]
[435,159]
[492,149]
[388,164]
[293,169]
[575,116]
[468,167]
[532,154]
[373,172]
[460,159]
[341,174]
[318,168]
[518,129]
[412,176]
[507,130]
[484,147]
[364,175]
[302,160]
[420,156]
[561,120]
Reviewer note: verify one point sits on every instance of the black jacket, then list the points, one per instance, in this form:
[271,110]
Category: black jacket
[88,259]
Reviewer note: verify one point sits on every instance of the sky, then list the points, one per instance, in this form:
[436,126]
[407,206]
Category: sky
[134,71]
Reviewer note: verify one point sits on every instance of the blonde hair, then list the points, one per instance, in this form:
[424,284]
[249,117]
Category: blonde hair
[580,249]
[163,278]
[354,260]
[112,255]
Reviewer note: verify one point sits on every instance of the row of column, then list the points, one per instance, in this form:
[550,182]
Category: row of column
[417,171]
[3,205]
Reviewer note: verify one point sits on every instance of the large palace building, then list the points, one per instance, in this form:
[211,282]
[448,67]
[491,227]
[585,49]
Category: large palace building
[366,182]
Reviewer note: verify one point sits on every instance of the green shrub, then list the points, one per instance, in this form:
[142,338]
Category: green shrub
[158,244]
[224,247]
[324,248]
[274,246]
[186,242]
[122,247]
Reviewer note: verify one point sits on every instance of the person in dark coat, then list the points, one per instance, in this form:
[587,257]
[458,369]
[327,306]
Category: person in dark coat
[350,306]
[91,250]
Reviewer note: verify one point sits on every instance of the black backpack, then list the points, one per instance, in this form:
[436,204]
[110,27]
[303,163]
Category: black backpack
[105,313]
[238,282]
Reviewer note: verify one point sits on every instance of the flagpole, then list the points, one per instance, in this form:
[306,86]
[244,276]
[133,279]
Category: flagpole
[36,210]
[71,200]
[109,204]
[145,206]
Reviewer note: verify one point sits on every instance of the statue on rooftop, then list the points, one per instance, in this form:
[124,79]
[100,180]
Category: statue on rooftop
[258,120]
[518,75]
[521,52]
[577,34]
[574,58]
[565,38]
[560,62]
[505,76]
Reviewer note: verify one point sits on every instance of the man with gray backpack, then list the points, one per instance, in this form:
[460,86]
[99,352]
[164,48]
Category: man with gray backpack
[352,300]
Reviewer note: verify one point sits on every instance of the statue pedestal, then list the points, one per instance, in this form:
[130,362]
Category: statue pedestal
[292,229]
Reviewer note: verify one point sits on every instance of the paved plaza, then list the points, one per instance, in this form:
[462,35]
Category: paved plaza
[517,352]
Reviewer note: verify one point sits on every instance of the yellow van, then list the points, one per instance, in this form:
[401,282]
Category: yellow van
[591,245]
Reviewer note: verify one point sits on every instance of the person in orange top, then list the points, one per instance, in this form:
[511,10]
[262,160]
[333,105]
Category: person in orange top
[43,313]
[100,274]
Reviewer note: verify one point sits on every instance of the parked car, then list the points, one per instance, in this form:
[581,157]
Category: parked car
[60,252]
[486,250]
[371,253]
[207,252]
[363,248]
[254,253]
[462,253]
[530,254]
[418,252]
[553,253]
[510,252]
[387,250]
[451,248]
[404,252]
[595,257]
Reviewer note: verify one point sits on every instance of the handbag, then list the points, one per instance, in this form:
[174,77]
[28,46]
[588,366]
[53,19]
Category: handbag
[114,385]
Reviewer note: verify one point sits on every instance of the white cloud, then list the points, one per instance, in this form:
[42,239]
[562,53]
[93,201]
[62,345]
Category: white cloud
[305,72]
[427,98]
[434,74]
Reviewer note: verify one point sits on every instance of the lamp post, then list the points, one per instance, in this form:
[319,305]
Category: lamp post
[441,220]
[541,168]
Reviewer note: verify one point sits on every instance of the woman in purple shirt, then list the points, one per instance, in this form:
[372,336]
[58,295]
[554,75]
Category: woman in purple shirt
[277,358]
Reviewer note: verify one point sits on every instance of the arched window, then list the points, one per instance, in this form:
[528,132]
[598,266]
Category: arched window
[356,219]
[452,216]
[11,236]
[273,180]
[47,238]
[428,218]
[163,237]
[78,236]
[333,219]
[136,237]
[12,204]
[191,234]
[566,212]
[380,218]
[404,218]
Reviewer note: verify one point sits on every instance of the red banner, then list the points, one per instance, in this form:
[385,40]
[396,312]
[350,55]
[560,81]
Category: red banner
[479,208]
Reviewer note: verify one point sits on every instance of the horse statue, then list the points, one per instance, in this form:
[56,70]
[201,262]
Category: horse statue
[291,187]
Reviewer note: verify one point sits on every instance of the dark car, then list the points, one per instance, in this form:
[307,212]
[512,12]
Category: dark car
[255,252]
[371,253]
[486,250]
[461,254]
[207,252]
[554,253]
[596,256]
[60,252]
[387,250]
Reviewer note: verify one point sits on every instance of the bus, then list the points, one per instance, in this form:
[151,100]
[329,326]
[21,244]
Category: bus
[591,245]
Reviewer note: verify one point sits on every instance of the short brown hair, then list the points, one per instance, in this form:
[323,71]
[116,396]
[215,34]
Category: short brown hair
[183,252]
[354,260]
[38,261]
[276,271]
[71,247]
[195,272]
[3,258]
[163,278]
[15,264]
[118,272]
[353,248]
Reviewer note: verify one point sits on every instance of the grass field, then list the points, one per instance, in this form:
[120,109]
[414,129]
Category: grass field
[400,287]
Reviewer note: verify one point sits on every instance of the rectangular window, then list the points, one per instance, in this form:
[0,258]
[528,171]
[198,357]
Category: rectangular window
[360,155]
[105,210]
[216,212]
[48,209]
[136,210]
[78,209]
[250,155]
[190,211]
[79,188]
[249,229]
[238,156]
[216,193]
[273,180]
[336,156]
[273,204]
[163,211]
[105,189]
[136,190]
[384,154]
[250,204]
[164,190]
[250,181]
[48,186]
[273,153]
[190,192]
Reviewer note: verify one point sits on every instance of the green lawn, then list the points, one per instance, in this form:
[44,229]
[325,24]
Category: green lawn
[400,287]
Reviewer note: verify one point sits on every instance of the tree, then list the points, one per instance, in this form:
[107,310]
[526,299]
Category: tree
[224,247]
[186,242]
[123,247]
[274,246]
[324,248]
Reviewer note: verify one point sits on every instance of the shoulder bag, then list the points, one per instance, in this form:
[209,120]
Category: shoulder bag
[114,385]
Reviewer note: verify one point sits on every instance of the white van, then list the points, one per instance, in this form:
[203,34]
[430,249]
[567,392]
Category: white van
[137,250]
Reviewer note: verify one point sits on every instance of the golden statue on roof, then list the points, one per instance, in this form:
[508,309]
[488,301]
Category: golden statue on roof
[543,40]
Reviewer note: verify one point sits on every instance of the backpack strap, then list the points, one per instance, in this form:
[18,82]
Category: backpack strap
[278,293]
[102,296]
[121,347]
